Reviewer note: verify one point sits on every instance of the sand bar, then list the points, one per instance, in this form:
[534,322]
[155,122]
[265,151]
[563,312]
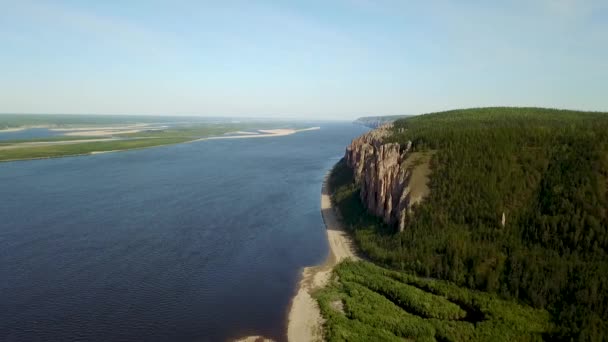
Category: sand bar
[99,133]
[242,133]
[98,127]
[12,129]
[262,133]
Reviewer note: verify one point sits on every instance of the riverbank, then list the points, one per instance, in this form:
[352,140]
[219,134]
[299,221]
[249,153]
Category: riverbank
[262,133]
[82,147]
[305,321]
[12,129]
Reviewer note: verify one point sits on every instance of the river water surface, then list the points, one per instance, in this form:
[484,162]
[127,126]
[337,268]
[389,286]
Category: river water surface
[191,242]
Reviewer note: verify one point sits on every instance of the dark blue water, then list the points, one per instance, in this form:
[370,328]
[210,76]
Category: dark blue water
[29,133]
[191,242]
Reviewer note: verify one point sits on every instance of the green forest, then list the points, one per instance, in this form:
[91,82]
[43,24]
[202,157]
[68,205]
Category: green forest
[377,304]
[545,170]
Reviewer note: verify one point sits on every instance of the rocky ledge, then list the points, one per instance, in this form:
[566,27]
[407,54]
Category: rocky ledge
[391,177]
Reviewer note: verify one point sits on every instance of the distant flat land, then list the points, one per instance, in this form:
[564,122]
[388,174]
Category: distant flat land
[90,134]
[12,121]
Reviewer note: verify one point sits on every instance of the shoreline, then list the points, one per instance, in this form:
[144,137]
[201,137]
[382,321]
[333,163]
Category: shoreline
[12,129]
[269,134]
[22,128]
[305,322]
[304,319]
[263,133]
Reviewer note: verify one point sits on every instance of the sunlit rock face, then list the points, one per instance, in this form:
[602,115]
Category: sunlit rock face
[380,170]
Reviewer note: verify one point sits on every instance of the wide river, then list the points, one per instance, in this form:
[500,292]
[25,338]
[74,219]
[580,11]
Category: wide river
[191,242]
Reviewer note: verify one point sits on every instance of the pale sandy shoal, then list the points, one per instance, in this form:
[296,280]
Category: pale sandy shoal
[274,133]
[15,129]
[21,128]
[81,133]
[103,128]
[265,133]
[305,320]
[243,133]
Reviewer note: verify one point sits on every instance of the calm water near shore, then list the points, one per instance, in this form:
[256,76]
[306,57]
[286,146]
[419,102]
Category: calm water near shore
[190,242]
[28,133]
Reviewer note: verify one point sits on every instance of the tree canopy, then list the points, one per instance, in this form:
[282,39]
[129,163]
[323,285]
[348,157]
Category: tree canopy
[546,172]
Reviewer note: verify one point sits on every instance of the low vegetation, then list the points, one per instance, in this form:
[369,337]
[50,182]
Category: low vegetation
[68,120]
[545,170]
[62,150]
[55,138]
[64,145]
[384,305]
[194,131]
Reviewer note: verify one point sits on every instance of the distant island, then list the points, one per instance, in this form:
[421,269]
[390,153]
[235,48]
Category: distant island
[74,135]
[484,224]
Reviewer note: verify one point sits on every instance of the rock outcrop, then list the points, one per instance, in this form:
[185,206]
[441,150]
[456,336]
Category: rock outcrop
[385,173]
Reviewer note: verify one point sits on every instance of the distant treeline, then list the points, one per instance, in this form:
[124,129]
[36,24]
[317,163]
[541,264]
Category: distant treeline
[377,121]
[546,172]
[20,120]
[58,120]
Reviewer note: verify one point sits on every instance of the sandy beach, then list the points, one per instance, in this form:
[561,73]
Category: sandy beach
[105,130]
[305,321]
[262,133]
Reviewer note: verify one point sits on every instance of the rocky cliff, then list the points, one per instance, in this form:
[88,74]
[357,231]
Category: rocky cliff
[391,177]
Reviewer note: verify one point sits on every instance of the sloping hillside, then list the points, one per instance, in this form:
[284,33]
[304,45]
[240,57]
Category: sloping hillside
[518,206]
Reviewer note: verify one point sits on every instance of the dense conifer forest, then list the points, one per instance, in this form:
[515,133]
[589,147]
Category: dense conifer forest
[544,171]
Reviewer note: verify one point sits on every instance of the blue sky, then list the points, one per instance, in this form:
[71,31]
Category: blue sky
[309,59]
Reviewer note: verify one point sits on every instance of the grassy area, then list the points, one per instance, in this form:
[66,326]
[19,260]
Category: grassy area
[364,302]
[67,120]
[546,170]
[196,131]
[88,120]
[145,138]
[62,150]
[49,139]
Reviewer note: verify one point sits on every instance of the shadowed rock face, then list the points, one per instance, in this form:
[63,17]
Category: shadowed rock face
[383,172]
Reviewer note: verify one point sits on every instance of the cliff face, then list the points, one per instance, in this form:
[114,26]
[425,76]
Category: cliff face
[386,174]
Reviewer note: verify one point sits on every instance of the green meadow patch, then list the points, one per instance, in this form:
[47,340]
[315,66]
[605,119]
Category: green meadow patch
[384,305]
